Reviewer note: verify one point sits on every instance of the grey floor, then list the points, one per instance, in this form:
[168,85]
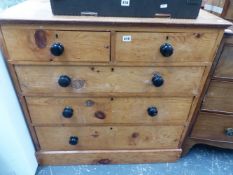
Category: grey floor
[201,160]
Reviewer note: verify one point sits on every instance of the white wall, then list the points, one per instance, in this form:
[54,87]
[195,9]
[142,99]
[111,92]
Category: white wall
[17,154]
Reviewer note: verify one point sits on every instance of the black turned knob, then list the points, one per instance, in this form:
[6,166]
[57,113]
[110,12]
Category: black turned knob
[73,140]
[229,131]
[157,80]
[152,111]
[57,49]
[67,112]
[64,81]
[166,50]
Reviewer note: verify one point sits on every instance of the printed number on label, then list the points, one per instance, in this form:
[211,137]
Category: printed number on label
[163,6]
[125,2]
[127,38]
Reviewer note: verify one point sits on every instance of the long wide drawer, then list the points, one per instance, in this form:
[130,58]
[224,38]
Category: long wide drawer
[109,137]
[219,97]
[176,81]
[145,47]
[215,127]
[35,45]
[44,110]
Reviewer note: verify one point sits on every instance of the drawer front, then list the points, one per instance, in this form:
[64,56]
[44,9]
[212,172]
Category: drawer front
[34,45]
[214,126]
[44,79]
[219,97]
[109,137]
[108,110]
[225,64]
[145,47]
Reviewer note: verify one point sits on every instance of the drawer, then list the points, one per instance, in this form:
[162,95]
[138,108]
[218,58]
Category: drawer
[214,127]
[108,110]
[35,45]
[225,64]
[145,47]
[109,137]
[81,79]
[219,97]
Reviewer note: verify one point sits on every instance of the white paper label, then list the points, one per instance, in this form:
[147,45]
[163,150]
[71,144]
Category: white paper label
[125,3]
[127,38]
[213,8]
[163,6]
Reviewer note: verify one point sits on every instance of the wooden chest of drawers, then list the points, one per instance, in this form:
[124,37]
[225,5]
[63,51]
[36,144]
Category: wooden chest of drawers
[214,123]
[107,90]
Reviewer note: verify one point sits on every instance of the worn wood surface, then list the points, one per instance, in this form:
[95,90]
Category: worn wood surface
[114,110]
[224,68]
[190,142]
[219,97]
[15,81]
[35,45]
[179,81]
[39,11]
[145,47]
[107,156]
[109,137]
[118,82]
[212,126]
[229,11]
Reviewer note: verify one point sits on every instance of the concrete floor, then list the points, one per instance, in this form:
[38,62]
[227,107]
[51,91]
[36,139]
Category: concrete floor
[201,160]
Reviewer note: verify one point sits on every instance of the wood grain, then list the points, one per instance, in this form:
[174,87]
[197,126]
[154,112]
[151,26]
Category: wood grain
[109,137]
[145,47]
[212,126]
[107,156]
[229,11]
[21,99]
[115,78]
[178,80]
[79,46]
[190,142]
[224,68]
[117,110]
[219,97]
[216,105]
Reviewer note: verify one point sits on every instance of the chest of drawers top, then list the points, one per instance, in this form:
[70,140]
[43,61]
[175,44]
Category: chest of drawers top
[40,12]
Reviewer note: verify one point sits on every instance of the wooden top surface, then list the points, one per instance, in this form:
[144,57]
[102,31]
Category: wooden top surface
[37,11]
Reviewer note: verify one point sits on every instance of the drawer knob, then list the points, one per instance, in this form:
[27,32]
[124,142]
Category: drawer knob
[229,131]
[57,49]
[166,50]
[152,111]
[157,80]
[67,112]
[64,81]
[73,140]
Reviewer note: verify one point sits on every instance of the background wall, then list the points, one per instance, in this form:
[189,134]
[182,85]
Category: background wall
[17,154]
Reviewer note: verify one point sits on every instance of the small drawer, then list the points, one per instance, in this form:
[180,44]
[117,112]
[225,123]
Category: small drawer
[219,97]
[109,137]
[51,45]
[214,127]
[224,68]
[44,110]
[164,47]
[160,81]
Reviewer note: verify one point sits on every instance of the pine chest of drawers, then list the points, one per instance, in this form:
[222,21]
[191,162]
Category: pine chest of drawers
[107,90]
